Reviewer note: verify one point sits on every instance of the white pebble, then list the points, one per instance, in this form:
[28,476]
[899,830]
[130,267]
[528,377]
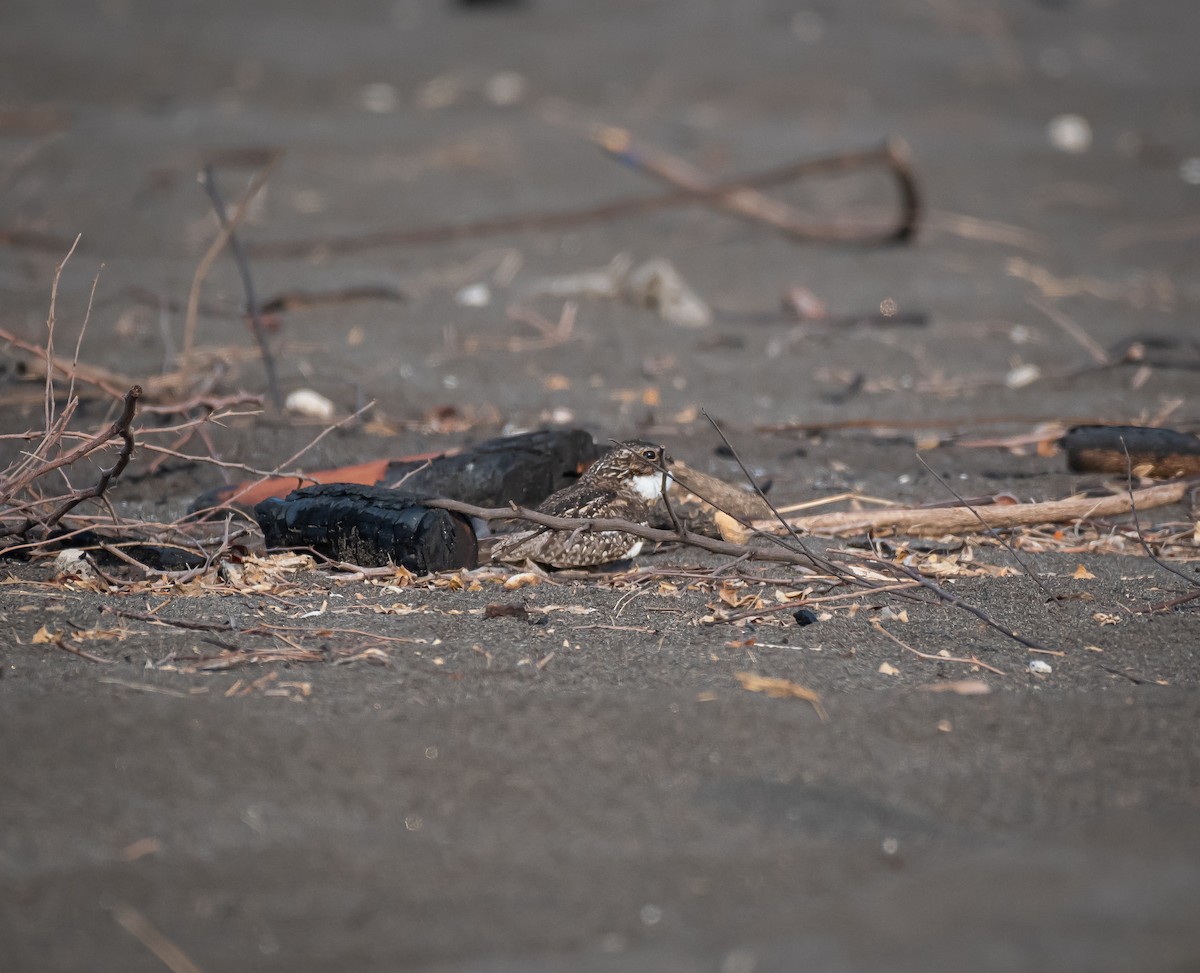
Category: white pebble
[1070,133]
[505,88]
[379,98]
[474,295]
[1022,375]
[72,562]
[1039,668]
[1189,171]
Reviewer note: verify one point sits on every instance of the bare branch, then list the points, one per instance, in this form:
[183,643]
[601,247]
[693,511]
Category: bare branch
[120,427]
[252,308]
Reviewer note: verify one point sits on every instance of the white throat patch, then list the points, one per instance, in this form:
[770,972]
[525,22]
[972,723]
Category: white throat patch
[649,486]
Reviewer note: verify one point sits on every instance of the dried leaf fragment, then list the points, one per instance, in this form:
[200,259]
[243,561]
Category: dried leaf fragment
[782,689]
[731,529]
[522,580]
[44,636]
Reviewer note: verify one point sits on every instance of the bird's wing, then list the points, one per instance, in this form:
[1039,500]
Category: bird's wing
[571,548]
[593,501]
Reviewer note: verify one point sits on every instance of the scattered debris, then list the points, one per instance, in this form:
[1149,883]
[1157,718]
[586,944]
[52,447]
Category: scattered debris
[74,563]
[301,299]
[515,610]
[655,284]
[803,304]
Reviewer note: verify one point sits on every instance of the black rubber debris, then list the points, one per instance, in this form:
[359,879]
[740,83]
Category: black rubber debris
[369,526]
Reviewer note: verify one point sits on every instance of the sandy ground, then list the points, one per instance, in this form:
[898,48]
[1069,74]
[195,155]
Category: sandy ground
[598,792]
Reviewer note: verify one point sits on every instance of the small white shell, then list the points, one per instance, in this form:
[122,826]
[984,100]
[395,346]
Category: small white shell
[1022,375]
[474,295]
[306,402]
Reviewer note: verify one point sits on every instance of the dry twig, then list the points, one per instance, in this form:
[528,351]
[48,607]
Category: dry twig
[119,427]
[929,657]
[227,229]
[889,155]
[243,265]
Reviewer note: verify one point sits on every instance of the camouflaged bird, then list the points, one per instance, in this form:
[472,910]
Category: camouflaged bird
[623,483]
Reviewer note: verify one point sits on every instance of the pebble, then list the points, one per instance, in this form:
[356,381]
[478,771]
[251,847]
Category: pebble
[474,295]
[1070,133]
[1022,375]
[505,88]
[379,98]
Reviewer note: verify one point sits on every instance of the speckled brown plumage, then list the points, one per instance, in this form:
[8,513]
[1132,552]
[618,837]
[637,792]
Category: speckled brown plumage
[622,484]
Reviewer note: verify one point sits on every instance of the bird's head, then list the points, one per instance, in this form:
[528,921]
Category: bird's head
[636,465]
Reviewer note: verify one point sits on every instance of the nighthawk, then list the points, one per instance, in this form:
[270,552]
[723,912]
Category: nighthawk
[622,483]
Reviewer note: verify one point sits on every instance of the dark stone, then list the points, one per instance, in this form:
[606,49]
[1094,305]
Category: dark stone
[804,616]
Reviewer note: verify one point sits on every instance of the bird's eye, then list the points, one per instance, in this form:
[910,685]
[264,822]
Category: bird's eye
[649,454]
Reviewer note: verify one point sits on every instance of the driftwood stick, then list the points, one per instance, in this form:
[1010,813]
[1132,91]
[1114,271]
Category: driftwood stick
[953,520]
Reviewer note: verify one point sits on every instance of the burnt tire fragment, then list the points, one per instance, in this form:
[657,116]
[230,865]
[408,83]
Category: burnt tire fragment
[369,526]
[525,469]
[1143,451]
